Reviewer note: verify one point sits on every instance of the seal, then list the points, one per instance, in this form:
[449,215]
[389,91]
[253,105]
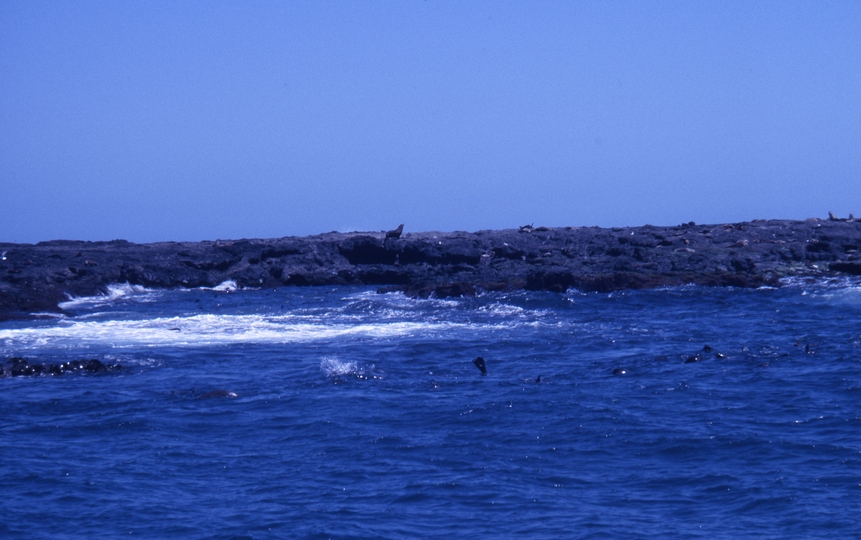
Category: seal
[220,393]
[395,233]
[479,363]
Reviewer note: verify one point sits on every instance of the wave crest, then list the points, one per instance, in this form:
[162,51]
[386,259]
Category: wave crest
[114,292]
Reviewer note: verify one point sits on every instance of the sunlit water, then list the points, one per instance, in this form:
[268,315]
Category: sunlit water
[361,415]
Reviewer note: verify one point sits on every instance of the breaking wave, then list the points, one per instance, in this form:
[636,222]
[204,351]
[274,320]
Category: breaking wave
[115,292]
[208,329]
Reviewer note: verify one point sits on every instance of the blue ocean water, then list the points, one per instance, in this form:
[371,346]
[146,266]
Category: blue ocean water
[361,415]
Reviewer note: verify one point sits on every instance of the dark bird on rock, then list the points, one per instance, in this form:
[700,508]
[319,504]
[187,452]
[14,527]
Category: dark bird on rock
[479,363]
[395,233]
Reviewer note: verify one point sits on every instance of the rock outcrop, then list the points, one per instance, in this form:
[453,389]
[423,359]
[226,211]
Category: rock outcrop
[23,367]
[35,278]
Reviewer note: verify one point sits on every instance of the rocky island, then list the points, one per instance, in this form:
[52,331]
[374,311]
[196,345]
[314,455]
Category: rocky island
[36,277]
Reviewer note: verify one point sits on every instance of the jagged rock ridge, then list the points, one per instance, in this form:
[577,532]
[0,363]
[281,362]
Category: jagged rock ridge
[36,277]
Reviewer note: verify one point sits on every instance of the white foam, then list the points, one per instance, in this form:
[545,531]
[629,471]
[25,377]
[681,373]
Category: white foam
[115,292]
[336,369]
[210,329]
[332,367]
[226,286]
[502,310]
[822,282]
[843,296]
[398,298]
[48,315]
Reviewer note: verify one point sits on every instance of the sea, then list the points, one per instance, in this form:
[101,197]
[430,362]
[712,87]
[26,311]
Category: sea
[338,412]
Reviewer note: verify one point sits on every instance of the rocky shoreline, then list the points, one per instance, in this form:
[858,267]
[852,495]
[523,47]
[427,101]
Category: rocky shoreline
[36,277]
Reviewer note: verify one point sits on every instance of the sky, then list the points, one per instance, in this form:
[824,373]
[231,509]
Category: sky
[199,120]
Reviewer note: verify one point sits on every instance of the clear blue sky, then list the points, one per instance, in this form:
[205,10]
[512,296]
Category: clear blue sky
[183,120]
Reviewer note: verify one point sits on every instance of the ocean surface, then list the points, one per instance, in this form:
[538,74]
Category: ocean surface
[361,415]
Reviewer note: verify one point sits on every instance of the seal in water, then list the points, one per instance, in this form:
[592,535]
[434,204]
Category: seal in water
[395,233]
[220,393]
[479,363]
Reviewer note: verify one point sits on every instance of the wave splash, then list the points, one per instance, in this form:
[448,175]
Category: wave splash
[336,369]
[208,329]
[114,293]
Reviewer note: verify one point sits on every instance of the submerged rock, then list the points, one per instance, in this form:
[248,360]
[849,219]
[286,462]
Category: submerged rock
[22,367]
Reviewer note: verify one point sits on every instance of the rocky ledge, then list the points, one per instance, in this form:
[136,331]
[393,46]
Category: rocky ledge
[35,278]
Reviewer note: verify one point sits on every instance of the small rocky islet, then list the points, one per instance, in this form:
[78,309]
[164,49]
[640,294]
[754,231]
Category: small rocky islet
[36,277]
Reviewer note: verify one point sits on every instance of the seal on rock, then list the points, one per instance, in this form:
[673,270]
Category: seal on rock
[395,233]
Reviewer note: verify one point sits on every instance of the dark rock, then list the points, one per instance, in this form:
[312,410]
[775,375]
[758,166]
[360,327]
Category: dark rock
[852,268]
[816,246]
[94,366]
[21,367]
[35,278]
[508,252]
[278,252]
[746,265]
[440,290]
[366,250]
[439,254]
